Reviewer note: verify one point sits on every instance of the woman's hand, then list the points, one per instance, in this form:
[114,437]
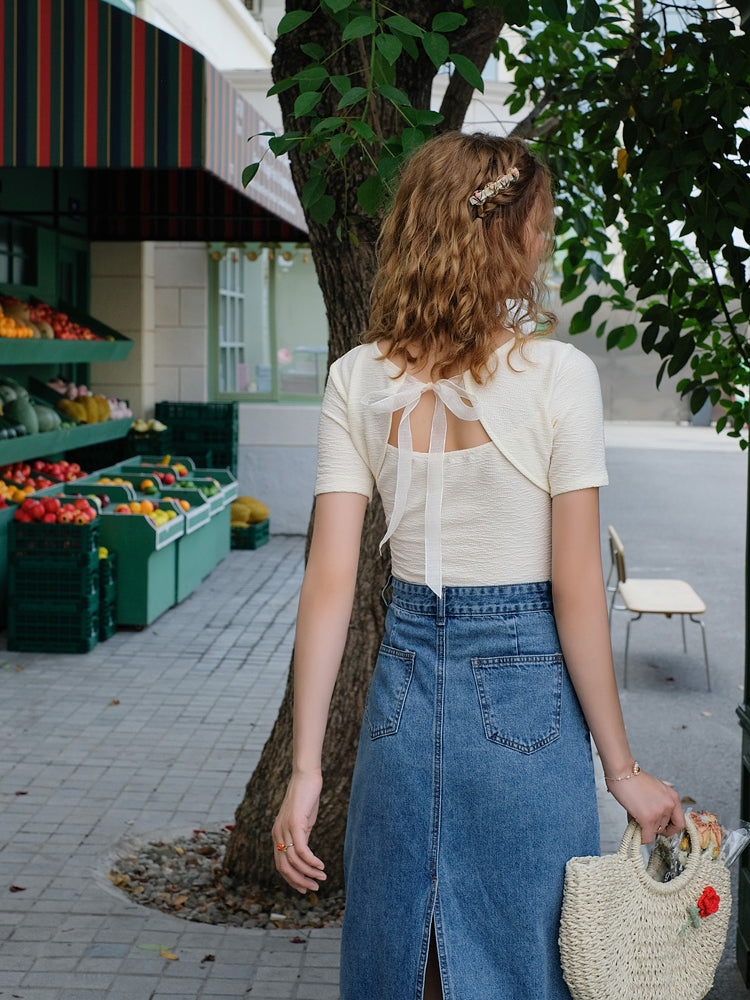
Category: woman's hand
[654,805]
[299,810]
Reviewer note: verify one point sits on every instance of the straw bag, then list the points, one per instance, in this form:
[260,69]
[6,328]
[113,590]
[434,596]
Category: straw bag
[625,935]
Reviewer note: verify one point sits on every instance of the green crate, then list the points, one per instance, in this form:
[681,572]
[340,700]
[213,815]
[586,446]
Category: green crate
[39,578]
[108,570]
[6,516]
[107,621]
[68,627]
[251,537]
[35,538]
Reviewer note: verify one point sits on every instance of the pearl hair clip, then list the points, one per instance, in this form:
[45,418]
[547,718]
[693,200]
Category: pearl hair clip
[480,196]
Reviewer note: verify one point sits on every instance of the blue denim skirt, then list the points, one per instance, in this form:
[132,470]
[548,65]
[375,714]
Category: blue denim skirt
[473,786]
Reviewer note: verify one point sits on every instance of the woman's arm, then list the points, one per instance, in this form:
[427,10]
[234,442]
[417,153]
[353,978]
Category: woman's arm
[325,607]
[581,616]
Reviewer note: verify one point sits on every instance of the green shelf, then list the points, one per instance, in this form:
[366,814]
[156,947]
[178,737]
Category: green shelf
[66,439]
[42,352]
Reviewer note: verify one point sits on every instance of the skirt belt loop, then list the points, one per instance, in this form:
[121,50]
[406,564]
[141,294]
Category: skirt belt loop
[383,598]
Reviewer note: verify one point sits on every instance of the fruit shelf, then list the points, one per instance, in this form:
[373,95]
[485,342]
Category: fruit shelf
[53,442]
[58,352]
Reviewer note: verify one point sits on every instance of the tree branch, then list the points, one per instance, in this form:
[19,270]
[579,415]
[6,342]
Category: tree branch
[475,40]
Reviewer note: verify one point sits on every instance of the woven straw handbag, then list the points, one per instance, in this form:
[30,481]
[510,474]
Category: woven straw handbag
[624,935]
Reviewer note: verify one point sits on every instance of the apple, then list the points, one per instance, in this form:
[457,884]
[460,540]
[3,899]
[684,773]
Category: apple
[168,479]
[122,508]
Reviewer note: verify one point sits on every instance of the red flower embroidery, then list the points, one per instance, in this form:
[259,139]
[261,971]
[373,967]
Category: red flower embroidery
[709,901]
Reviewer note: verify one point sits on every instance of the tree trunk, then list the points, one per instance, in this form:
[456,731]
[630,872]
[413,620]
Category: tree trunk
[345,271]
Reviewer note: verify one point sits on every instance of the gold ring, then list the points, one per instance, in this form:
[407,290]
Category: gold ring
[283,847]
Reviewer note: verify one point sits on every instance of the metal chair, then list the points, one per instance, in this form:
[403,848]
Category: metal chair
[651,597]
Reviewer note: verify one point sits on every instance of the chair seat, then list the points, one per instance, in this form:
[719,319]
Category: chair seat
[661,597]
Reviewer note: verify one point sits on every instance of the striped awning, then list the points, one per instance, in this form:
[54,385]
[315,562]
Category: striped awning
[85,85]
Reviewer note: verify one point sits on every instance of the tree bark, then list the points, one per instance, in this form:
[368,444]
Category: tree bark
[345,271]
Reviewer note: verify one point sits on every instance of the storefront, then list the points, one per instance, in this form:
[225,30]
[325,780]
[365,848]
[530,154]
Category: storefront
[121,155]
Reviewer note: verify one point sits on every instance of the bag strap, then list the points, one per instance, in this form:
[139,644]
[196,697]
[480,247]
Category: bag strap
[630,847]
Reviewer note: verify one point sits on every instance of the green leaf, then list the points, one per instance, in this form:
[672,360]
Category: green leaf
[404,25]
[306,102]
[364,131]
[342,83]
[447,21]
[281,86]
[437,48]
[323,209]
[249,172]
[390,46]
[468,71]
[336,6]
[293,19]
[586,16]
[353,96]
[281,144]
[314,189]
[313,50]
[341,144]
[359,28]
[370,194]
[420,116]
[311,78]
[393,94]
[412,138]
[556,10]
[326,125]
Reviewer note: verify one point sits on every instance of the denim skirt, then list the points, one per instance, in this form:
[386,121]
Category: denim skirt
[473,786]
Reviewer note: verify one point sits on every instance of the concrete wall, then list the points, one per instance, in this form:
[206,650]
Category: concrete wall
[181,321]
[122,296]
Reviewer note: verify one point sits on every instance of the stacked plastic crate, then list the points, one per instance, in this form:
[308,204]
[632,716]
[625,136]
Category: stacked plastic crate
[107,596]
[54,587]
[207,432]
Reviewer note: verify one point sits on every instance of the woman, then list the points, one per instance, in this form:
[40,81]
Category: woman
[474,781]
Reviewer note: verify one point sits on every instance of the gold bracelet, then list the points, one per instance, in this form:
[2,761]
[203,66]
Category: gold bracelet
[624,777]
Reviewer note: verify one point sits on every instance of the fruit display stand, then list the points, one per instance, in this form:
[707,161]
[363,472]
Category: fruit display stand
[229,488]
[196,549]
[146,555]
[146,564]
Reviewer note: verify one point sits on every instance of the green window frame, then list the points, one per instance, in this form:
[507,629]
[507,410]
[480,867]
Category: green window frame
[268,332]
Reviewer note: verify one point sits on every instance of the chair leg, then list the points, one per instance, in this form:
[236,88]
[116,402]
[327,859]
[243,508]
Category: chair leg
[684,640]
[705,648]
[627,645]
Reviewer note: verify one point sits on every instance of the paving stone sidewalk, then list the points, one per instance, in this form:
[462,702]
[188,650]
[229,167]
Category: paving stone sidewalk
[155,733]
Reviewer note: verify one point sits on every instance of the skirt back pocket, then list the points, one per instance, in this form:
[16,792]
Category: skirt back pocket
[520,699]
[388,690]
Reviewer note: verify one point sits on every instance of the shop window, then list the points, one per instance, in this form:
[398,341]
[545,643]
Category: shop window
[271,332]
[18,253]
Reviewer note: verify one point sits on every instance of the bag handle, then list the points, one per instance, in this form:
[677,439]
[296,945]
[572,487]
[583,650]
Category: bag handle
[630,847]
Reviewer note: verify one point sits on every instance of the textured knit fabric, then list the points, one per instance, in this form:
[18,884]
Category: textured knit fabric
[544,421]
[473,786]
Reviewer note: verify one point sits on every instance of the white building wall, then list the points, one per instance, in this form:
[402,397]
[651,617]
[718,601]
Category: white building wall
[181,322]
[224,31]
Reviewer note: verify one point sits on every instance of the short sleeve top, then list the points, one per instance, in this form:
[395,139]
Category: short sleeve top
[481,516]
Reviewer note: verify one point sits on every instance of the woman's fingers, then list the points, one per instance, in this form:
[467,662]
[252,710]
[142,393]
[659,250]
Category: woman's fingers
[295,862]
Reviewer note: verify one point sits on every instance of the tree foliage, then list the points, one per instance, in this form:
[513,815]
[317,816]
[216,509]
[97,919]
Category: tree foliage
[641,115]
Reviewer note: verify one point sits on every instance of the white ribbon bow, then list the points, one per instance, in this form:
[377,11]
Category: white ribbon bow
[465,406]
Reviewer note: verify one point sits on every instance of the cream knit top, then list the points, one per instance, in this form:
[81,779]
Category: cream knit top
[481,515]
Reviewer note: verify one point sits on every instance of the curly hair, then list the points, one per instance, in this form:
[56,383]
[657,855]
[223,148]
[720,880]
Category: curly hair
[453,275]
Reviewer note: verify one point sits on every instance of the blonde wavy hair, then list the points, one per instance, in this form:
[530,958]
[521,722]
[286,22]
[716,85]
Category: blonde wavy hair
[453,275]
